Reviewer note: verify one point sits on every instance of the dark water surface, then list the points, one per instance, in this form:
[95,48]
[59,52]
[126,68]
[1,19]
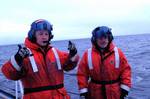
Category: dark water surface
[135,47]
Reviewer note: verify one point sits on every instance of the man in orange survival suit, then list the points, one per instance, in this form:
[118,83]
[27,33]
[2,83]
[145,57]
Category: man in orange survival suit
[103,71]
[40,66]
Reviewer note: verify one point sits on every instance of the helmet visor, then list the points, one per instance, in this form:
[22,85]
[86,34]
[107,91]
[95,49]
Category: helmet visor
[42,26]
[100,34]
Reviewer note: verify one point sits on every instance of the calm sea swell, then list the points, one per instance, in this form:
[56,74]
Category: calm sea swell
[135,47]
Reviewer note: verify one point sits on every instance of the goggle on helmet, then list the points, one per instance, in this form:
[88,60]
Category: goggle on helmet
[40,24]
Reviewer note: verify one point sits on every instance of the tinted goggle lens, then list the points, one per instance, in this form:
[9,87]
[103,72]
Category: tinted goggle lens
[101,35]
[41,26]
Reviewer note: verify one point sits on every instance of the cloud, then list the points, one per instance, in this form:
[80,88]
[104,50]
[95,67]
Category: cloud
[74,17]
[7,26]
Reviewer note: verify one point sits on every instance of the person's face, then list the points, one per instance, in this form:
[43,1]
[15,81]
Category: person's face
[42,37]
[102,42]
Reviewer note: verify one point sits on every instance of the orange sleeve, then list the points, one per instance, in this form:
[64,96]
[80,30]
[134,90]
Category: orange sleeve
[10,72]
[83,72]
[125,70]
[66,62]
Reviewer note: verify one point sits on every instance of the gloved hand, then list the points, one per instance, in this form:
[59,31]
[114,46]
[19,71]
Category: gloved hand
[22,53]
[124,93]
[72,49]
[84,95]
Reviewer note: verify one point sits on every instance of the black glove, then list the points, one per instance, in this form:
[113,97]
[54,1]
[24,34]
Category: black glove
[84,95]
[72,49]
[124,93]
[22,53]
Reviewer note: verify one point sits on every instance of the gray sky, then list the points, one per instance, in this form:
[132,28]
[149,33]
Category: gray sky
[73,18]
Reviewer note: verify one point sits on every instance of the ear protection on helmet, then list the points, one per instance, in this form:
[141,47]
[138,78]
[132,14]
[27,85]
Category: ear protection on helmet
[93,39]
[40,24]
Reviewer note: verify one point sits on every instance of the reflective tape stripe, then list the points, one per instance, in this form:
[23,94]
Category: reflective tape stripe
[83,90]
[74,57]
[117,61]
[21,89]
[76,68]
[16,89]
[57,58]
[32,61]
[31,58]
[90,58]
[125,87]
[14,63]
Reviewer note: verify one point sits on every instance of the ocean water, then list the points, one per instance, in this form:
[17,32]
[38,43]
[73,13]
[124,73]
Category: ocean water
[135,47]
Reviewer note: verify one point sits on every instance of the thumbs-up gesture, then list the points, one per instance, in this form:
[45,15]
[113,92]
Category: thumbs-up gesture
[22,53]
[72,49]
